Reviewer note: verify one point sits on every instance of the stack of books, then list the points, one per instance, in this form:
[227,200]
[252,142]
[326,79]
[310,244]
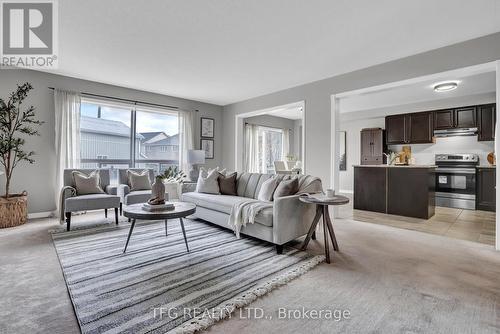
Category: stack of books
[158,207]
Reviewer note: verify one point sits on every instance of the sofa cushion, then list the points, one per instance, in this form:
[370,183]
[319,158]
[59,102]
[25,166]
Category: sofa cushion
[135,197]
[207,182]
[86,184]
[227,184]
[287,188]
[267,190]
[139,180]
[224,204]
[91,202]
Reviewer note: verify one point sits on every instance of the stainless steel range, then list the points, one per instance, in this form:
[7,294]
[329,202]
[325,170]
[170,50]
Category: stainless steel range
[456,180]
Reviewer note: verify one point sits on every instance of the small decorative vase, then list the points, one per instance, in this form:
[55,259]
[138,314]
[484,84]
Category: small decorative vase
[157,192]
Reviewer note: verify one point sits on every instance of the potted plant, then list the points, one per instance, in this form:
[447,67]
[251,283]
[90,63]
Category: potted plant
[173,178]
[15,125]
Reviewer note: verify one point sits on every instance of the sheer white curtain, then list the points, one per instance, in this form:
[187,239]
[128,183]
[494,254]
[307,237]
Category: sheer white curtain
[186,137]
[251,148]
[67,121]
[285,143]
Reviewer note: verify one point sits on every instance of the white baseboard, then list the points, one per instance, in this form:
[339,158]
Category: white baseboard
[37,215]
[346,191]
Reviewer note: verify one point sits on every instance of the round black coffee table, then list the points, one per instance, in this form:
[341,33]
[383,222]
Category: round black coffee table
[322,204]
[181,210]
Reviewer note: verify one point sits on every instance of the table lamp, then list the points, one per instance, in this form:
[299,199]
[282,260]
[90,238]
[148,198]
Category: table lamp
[195,158]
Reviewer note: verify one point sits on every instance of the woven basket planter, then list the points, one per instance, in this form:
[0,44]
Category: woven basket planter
[13,210]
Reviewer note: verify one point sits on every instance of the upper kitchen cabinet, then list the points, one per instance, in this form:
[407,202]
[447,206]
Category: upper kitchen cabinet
[455,118]
[421,128]
[414,128]
[444,119]
[486,118]
[396,128]
[465,117]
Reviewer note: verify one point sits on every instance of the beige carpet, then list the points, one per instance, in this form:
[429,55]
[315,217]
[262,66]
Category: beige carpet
[390,280]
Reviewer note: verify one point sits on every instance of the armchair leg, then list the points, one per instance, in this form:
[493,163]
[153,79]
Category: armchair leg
[121,209]
[116,216]
[105,213]
[279,249]
[68,220]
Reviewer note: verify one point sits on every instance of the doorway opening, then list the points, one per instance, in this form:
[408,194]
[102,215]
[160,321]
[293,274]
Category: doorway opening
[409,116]
[271,140]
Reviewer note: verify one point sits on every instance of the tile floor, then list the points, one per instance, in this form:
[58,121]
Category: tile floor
[461,224]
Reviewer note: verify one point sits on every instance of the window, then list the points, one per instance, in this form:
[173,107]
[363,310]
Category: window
[107,141]
[270,148]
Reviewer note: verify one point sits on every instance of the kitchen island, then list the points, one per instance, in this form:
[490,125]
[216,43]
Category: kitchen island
[398,190]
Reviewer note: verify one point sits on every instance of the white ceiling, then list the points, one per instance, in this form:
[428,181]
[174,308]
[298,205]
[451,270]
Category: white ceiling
[468,85]
[294,113]
[226,51]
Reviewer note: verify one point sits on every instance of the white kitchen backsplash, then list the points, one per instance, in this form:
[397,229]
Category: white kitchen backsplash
[424,153]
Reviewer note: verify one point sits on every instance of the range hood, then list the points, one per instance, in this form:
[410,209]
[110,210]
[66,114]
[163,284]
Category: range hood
[455,132]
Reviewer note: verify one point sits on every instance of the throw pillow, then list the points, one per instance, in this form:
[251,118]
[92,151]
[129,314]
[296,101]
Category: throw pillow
[138,181]
[267,189]
[87,184]
[287,188]
[207,182]
[227,184]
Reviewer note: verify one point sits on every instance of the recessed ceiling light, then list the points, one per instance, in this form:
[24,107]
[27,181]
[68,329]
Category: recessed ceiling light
[445,86]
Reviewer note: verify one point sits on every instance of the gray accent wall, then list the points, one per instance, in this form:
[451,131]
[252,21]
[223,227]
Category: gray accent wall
[317,95]
[39,179]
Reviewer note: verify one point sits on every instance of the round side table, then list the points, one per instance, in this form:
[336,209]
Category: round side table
[322,204]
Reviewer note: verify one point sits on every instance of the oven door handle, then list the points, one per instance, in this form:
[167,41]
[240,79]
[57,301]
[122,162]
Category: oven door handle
[456,170]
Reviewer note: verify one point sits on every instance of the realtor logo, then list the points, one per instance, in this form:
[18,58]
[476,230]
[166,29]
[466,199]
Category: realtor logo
[29,33]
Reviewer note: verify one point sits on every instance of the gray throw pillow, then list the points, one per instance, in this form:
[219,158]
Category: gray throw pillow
[207,182]
[267,189]
[138,181]
[287,188]
[227,184]
[87,184]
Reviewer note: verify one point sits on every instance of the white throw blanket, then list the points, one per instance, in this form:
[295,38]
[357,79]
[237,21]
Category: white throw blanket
[244,212]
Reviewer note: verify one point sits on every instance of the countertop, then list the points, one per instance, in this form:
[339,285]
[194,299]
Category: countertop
[487,167]
[397,166]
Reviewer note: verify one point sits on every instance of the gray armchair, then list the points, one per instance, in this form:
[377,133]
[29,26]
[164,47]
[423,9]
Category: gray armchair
[132,197]
[72,202]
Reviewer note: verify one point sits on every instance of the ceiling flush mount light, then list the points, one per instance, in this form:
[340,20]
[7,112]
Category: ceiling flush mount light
[445,86]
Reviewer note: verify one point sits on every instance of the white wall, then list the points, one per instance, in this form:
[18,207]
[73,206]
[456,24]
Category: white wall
[424,153]
[317,95]
[297,130]
[39,179]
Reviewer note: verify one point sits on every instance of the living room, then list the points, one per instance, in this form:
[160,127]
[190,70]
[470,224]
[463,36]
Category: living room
[179,170]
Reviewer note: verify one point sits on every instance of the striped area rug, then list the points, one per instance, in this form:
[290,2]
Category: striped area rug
[157,287]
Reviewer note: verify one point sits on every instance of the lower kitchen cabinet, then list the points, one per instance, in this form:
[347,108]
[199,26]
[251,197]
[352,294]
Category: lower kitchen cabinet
[485,189]
[404,191]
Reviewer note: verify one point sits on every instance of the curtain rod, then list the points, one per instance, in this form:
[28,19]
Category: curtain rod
[267,126]
[127,100]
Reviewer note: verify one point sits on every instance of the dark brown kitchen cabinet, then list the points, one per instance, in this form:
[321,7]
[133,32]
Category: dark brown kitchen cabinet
[465,117]
[485,189]
[486,117]
[372,146]
[444,119]
[405,191]
[458,118]
[414,128]
[396,127]
[421,128]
